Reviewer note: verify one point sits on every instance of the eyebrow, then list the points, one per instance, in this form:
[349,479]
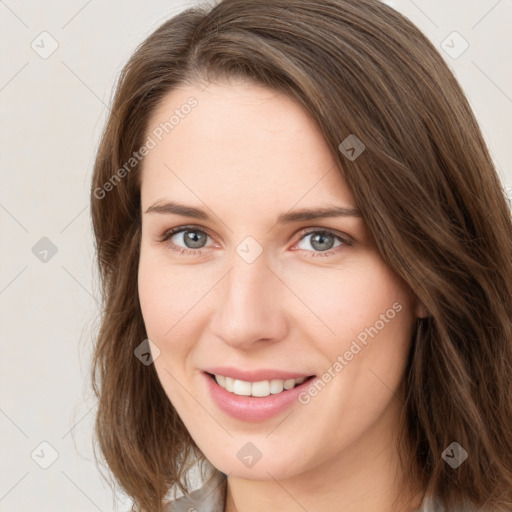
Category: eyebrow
[172,207]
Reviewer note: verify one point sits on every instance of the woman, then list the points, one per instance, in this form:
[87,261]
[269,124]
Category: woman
[305,251]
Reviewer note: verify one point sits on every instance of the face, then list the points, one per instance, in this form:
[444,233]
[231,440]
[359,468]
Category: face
[248,288]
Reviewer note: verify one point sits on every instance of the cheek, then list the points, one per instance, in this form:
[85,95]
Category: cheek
[176,306]
[167,294]
[343,301]
[166,303]
[152,295]
[361,313]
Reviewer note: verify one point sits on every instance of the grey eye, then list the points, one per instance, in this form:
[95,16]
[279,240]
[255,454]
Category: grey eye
[320,241]
[192,238]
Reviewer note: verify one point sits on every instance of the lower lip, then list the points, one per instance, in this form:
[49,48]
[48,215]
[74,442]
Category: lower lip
[253,408]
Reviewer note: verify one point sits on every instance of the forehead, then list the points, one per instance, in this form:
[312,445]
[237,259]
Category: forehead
[242,141]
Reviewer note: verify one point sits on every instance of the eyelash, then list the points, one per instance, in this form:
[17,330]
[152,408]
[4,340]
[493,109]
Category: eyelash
[346,241]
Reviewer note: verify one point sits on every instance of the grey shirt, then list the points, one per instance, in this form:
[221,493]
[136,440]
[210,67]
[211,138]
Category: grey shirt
[211,498]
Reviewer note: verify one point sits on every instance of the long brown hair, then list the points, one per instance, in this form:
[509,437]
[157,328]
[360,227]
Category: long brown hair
[425,184]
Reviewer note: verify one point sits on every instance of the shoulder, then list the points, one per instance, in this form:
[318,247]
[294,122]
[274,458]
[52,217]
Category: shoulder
[208,498]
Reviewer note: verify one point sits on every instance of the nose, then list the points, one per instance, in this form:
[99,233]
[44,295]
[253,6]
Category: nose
[250,306]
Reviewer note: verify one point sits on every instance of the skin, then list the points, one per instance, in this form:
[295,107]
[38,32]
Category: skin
[246,154]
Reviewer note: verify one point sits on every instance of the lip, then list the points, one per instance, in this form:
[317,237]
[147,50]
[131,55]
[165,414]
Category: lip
[254,375]
[251,408]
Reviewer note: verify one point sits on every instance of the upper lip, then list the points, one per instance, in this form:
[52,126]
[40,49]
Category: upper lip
[255,375]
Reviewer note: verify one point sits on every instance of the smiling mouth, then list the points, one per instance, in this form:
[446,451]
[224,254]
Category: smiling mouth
[258,389]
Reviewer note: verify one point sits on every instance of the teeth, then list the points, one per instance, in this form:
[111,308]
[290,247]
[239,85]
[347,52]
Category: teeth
[262,388]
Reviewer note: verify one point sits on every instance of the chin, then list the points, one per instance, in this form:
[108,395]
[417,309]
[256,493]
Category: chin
[260,471]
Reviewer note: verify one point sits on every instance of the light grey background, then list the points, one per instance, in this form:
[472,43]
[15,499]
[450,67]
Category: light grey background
[53,108]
